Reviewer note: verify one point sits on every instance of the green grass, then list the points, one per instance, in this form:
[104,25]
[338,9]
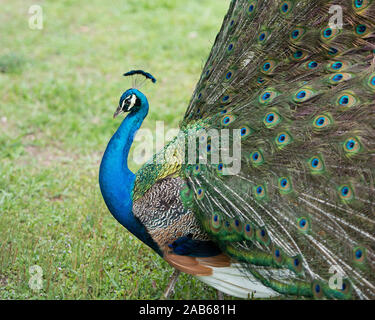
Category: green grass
[59,88]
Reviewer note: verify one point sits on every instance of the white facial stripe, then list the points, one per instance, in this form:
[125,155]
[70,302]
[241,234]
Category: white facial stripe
[122,105]
[132,101]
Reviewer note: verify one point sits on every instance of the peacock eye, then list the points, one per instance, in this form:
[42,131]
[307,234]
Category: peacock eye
[128,102]
[128,99]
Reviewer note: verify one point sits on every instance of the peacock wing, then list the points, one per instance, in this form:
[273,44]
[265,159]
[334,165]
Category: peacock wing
[297,89]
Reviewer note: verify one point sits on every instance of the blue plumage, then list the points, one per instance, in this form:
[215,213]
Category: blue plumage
[116,180]
[186,246]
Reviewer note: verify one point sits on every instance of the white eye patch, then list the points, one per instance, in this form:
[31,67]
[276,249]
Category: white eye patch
[133,99]
[129,102]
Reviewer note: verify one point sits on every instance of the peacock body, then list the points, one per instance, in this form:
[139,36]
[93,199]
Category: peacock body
[297,89]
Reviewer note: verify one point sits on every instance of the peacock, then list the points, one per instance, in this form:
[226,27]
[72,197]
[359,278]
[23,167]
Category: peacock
[268,188]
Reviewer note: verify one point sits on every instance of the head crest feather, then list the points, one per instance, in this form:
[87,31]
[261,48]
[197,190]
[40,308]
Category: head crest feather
[139,81]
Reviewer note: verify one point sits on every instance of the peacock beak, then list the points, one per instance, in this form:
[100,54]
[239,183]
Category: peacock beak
[118,111]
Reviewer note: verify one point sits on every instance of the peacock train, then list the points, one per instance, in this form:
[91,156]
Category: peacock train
[292,83]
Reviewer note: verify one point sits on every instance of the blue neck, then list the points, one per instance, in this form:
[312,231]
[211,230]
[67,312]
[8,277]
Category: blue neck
[116,180]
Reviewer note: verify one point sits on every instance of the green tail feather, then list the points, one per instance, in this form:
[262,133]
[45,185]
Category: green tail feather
[303,94]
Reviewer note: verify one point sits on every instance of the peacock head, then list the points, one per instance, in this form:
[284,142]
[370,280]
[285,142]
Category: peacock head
[129,101]
[132,99]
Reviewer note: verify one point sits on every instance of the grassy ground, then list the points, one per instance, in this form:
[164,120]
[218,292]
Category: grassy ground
[59,87]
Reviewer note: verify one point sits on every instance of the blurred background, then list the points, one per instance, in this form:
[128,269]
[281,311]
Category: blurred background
[59,87]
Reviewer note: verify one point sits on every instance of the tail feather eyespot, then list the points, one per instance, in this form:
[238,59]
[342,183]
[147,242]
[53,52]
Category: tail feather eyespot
[328,33]
[303,95]
[359,255]
[303,224]
[339,78]
[299,55]
[286,7]
[263,36]
[362,30]
[297,34]
[227,119]
[248,231]
[296,264]
[200,193]
[245,132]
[237,225]
[268,66]
[311,65]
[360,5]
[371,82]
[256,158]
[277,255]
[352,146]
[260,192]
[316,164]
[317,289]
[262,236]
[251,8]
[346,100]
[285,185]
[267,96]
[346,192]
[216,222]
[283,139]
[271,119]
[322,121]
